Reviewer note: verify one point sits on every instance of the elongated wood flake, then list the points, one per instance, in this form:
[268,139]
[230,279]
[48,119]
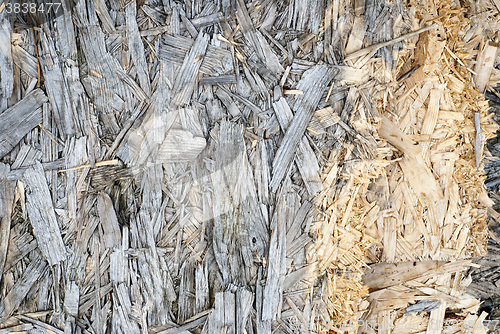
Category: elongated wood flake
[19,119]
[313,84]
[6,70]
[109,221]
[22,286]
[42,215]
[257,41]
[186,82]
[305,158]
[6,201]
[136,47]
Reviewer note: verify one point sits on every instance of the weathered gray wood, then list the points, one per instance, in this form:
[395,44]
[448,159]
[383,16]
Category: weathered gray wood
[20,245]
[63,87]
[305,157]
[14,298]
[42,216]
[276,267]
[223,317]
[25,61]
[221,79]
[175,48]
[6,68]
[109,222]
[186,81]
[228,180]
[71,300]
[313,84]
[257,41]
[19,119]
[6,204]
[136,47]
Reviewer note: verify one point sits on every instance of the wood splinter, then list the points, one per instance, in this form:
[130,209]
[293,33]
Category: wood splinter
[377,46]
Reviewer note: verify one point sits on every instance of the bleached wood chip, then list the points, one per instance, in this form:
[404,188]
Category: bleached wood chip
[221,79]
[304,273]
[244,301]
[184,329]
[202,287]
[484,65]
[15,329]
[228,102]
[227,178]
[436,319]
[418,173]
[216,61]
[118,270]
[123,309]
[478,140]
[42,326]
[391,42]
[357,35]
[382,275]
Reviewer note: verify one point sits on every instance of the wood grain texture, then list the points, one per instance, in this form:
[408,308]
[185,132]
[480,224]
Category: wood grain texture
[19,119]
[238,166]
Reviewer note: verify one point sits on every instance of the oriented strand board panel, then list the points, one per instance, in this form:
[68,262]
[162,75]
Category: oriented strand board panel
[236,166]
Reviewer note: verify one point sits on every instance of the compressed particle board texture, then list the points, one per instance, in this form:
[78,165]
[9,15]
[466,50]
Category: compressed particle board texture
[304,166]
